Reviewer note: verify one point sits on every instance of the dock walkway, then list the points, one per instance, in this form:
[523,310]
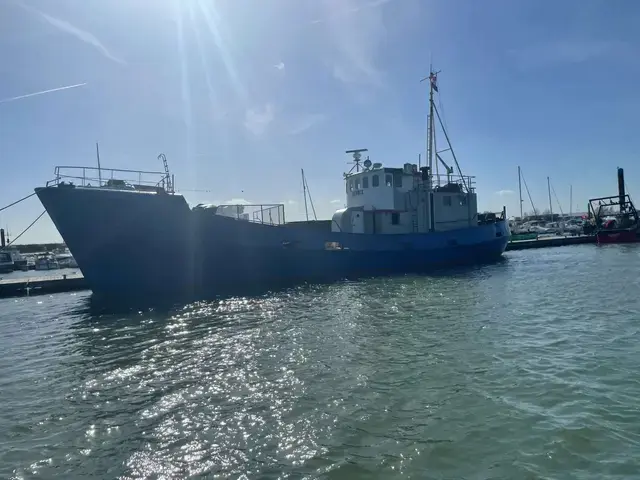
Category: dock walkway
[551,242]
[24,286]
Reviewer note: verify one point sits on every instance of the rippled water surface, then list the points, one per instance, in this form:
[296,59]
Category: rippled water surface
[521,370]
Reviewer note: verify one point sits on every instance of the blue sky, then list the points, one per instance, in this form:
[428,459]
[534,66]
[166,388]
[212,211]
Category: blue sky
[241,94]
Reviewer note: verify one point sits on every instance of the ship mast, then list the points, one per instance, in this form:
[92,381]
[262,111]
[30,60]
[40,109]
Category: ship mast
[430,122]
[431,140]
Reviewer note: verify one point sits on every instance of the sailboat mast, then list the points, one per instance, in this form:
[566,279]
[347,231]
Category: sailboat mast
[570,201]
[520,191]
[304,193]
[550,204]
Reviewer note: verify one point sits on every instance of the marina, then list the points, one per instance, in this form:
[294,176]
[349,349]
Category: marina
[455,302]
[551,241]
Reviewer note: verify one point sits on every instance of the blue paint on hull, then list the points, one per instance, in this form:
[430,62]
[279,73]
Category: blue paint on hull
[133,245]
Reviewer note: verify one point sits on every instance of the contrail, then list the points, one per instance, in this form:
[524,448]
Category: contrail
[42,92]
[80,34]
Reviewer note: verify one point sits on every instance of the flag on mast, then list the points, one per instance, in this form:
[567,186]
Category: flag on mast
[433,78]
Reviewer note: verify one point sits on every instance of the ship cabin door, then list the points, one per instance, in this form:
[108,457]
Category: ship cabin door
[357,222]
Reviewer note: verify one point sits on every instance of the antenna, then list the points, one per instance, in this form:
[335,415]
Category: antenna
[357,156]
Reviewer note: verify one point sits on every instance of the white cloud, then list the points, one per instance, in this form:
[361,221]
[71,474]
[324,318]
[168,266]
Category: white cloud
[565,51]
[354,32]
[237,201]
[291,202]
[257,121]
[305,122]
[80,34]
[504,193]
[336,201]
[350,9]
[279,66]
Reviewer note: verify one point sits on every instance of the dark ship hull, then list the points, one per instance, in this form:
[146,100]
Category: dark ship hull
[133,244]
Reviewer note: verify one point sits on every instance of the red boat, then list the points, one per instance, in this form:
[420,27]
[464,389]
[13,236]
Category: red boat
[615,219]
[617,236]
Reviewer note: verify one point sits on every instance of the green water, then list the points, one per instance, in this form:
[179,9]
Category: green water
[525,369]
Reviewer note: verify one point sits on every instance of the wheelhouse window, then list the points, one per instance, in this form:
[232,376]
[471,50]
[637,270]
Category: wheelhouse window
[395,218]
[463,200]
[388,180]
[446,200]
[397,180]
[351,185]
[375,180]
[357,184]
[365,182]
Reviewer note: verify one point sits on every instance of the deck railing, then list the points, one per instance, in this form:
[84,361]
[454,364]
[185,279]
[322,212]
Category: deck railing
[112,178]
[467,182]
[492,217]
[266,214]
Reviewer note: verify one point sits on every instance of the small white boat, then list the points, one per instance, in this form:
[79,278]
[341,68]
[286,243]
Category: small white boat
[66,260]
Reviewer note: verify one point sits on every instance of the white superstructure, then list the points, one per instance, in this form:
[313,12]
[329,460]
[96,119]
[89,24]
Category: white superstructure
[404,200]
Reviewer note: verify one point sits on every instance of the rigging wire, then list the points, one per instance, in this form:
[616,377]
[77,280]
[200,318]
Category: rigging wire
[446,136]
[441,108]
[535,212]
[626,188]
[310,199]
[17,201]
[554,194]
[193,190]
[25,230]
